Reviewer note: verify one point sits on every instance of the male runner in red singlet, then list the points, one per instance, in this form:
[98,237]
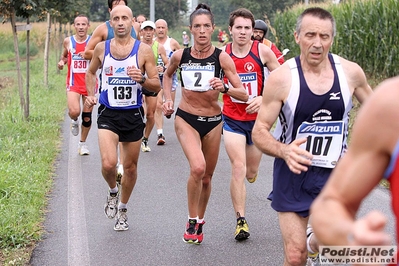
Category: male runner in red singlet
[250,57]
[72,55]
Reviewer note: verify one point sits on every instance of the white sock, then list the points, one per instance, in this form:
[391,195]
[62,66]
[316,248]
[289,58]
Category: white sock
[122,205]
[308,244]
[200,220]
[160,131]
[113,190]
[195,218]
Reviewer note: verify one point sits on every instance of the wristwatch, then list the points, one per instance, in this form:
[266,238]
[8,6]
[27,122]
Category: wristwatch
[143,78]
[226,88]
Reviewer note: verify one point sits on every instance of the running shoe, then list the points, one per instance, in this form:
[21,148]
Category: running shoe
[313,261]
[111,206]
[253,179]
[119,174]
[190,235]
[313,258]
[161,139]
[74,127]
[242,229]
[82,149]
[200,235]
[121,221]
[144,145]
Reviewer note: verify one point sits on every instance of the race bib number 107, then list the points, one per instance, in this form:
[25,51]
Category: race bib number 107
[324,141]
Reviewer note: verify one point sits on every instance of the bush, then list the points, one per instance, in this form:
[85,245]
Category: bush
[7,48]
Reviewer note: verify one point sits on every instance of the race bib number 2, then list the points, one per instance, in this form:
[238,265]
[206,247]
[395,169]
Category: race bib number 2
[196,77]
[324,141]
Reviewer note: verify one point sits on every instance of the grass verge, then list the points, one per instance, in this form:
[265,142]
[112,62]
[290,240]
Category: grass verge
[28,150]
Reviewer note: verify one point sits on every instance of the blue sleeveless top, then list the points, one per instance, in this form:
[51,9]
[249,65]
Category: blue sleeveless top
[118,90]
[111,31]
[323,119]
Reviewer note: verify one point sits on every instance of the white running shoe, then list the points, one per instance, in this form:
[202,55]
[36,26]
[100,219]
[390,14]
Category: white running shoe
[111,206]
[119,173]
[313,261]
[82,149]
[313,258]
[74,127]
[144,146]
[121,221]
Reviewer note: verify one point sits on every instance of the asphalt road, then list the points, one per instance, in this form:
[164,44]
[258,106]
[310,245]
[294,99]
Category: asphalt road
[78,233]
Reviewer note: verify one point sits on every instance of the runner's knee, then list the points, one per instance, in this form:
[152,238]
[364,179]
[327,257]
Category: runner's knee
[86,119]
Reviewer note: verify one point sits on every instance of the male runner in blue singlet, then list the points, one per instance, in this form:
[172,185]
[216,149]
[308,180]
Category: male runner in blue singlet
[105,32]
[311,95]
[123,61]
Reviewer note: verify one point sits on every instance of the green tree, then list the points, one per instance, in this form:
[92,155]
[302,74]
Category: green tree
[221,10]
[170,10]
[264,9]
[38,9]
[261,9]
[10,10]
[99,10]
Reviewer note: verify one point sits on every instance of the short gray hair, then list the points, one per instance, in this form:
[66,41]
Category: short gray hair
[319,13]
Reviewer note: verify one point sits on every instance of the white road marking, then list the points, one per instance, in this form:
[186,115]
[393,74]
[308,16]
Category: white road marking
[78,248]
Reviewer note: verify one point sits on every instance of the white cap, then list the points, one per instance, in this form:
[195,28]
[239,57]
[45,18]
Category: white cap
[184,32]
[148,23]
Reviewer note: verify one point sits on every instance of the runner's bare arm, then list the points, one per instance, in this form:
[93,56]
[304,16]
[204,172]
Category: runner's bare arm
[274,94]
[229,69]
[64,54]
[99,35]
[147,65]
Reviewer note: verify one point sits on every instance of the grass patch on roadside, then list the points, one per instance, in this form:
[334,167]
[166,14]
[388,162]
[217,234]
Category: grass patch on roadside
[7,48]
[28,150]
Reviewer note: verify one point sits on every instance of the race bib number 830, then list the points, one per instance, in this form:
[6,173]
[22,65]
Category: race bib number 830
[78,64]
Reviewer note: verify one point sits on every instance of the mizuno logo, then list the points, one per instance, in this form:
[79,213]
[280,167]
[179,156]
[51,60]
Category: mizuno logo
[334,95]
[322,129]
[121,81]
[120,70]
[335,128]
[209,119]
[247,76]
